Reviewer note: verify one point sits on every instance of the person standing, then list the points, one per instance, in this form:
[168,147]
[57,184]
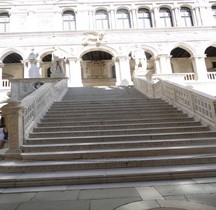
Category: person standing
[3,136]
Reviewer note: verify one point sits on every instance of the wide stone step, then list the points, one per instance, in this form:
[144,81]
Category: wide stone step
[101,116]
[111,138]
[122,153]
[116,144]
[117,126]
[72,110]
[70,122]
[119,131]
[106,176]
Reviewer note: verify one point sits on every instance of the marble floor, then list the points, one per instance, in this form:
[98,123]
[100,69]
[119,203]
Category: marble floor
[193,194]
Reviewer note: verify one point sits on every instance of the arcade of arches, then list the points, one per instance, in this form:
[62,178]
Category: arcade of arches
[102,68]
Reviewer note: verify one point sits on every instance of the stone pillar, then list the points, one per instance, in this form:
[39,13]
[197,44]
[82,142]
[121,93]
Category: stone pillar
[196,15]
[1,66]
[123,71]
[112,18]
[12,113]
[199,66]
[134,17]
[177,16]
[90,19]
[156,18]
[74,72]
[164,64]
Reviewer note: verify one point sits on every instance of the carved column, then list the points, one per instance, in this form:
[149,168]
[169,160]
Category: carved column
[91,19]
[1,66]
[199,66]
[123,76]
[74,72]
[134,17]
[196,15]
[164,64]
[177,16]
[112,18]
[13,114]
[156,16]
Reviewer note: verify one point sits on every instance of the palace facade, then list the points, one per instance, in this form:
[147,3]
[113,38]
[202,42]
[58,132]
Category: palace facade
[96,40]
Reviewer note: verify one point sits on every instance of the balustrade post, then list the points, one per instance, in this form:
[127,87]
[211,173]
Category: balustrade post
[13,115]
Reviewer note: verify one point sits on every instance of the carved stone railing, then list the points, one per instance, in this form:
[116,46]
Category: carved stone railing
[196,104]
[22,116]
[211,75]
[189,76]
[6,84]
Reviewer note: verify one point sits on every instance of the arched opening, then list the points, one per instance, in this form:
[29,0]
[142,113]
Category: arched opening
[180,61]
[98,69]
[13,67]
[211,59]
[149,62]
[45,66]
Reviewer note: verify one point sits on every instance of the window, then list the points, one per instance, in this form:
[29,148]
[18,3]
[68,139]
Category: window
[102,19]
[186,17]
[4,22]
[69,21]
[214,12]
[165,17]
[144,18]
[123,19]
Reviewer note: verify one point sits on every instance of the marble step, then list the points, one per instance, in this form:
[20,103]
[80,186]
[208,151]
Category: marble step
[78,177]
[110,109]
[135,163]
[120,153]
[70,122]
[116,144]
[128,137]
[102,116]
[88,133]
[117,126]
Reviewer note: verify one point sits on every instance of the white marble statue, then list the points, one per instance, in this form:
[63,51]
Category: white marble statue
[57,68]
[138,54]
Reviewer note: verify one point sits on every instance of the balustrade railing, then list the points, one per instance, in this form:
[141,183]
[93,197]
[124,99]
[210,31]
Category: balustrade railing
[6,84]
[195,103]
[22,116]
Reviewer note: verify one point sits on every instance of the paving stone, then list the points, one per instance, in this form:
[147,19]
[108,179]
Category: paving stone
[110,204]
[175,197]
[14,198]
[140,205]
[108,193]
[208,199]
[9,206]
[184,205]
[56,196]
[51,205]
[186,189]
[149,193]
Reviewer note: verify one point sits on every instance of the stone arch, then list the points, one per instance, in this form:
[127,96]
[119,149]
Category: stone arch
[13,66]
[180,60]
[210,59]
[97,66]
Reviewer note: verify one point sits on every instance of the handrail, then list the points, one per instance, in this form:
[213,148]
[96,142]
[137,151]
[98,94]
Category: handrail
[21,117]
[197,104]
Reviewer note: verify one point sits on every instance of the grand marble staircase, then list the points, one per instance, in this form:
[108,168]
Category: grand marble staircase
[112,134]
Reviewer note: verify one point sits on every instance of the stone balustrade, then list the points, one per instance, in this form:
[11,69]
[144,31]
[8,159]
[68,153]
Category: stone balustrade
[197,104]
[22,116]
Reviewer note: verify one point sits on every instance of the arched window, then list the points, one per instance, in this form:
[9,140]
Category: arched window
[214,12]
[4,22]
[102,19]
[69,21]
[144,18]
[186,17]
[166,17]
[123,19]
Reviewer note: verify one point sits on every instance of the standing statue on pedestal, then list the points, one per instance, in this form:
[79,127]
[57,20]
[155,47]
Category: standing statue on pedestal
[57,68]
[138,54]
[32,65]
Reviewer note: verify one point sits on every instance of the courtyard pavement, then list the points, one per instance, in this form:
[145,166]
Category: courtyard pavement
[194,194]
